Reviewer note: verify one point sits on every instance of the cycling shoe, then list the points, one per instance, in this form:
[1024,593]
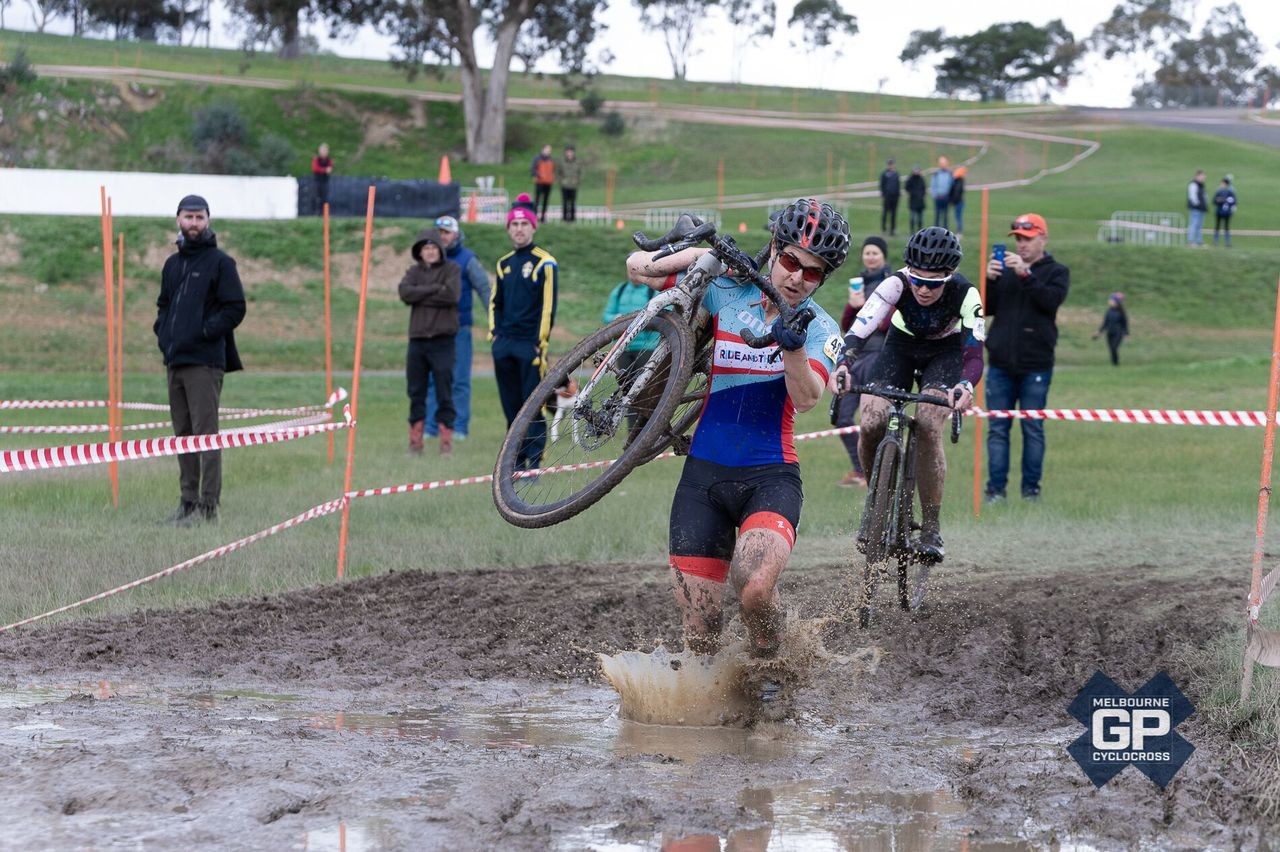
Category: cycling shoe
[928,548]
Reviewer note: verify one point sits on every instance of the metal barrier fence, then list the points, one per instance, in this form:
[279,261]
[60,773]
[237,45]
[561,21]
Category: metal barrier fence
[663,219]
[1144,227]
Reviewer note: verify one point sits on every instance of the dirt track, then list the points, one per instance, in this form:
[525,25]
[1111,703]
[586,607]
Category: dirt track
[466,711]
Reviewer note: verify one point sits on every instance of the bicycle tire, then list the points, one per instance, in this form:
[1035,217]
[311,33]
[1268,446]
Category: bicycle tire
[884,479]
[579,449]
[692,401]
[902,528]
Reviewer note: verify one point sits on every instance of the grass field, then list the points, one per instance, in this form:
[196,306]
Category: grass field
[1201,323]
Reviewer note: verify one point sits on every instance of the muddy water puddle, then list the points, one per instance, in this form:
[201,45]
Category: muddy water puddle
[572,721]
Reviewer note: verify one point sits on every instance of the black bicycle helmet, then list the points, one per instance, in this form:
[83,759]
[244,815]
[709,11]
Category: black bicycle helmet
[815,227]
[933,250]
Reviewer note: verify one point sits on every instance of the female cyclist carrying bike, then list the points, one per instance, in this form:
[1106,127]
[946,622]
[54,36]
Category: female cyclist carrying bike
[937,328]
[736,509]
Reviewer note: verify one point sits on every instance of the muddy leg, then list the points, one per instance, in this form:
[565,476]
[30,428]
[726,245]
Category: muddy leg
[874,414]
[931,461]
[758,559]
[701,610]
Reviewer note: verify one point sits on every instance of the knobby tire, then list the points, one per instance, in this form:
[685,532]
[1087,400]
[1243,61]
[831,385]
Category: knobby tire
[534,502]
[879,505]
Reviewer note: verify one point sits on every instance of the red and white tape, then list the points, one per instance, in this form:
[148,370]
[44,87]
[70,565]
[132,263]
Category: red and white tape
[223,413]
[312,513]
[46,458]
[1141,416]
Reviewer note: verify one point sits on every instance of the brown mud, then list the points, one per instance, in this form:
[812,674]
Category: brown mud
[468,711]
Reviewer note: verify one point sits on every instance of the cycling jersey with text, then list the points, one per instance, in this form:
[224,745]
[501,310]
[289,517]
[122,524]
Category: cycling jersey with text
[749,418]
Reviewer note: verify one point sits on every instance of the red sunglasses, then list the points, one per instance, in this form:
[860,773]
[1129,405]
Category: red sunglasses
[811,274]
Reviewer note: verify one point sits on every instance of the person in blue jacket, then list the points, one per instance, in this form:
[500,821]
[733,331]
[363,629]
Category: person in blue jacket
[475,285]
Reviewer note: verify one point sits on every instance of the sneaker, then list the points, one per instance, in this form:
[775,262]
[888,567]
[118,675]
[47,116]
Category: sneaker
[928,547]
[177,516]
[1031,494]
[853,479]
[994,497]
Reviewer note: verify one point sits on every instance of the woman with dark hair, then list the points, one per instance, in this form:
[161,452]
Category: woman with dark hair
[1115,324]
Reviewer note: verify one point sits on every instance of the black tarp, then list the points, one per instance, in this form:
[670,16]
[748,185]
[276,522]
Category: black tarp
[349,196]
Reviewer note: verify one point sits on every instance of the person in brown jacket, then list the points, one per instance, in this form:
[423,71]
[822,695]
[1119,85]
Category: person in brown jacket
[431,288]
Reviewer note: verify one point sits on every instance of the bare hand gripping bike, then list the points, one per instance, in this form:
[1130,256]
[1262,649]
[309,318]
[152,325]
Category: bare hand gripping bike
[888,518]
[627,410]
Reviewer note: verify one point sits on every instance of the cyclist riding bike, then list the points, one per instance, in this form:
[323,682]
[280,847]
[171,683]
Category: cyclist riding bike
[736,509]
[937,328]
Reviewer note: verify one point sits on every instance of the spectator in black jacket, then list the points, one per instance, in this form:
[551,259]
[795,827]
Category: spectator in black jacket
[1115,324]
[890,192]
[1023,295]
[1196,207]
[915,198]
[1224,207]
[201,302]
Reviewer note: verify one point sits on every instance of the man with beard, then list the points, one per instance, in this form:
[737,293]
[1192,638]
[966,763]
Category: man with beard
[201,302]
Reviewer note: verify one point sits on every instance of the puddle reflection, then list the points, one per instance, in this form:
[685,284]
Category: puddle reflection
[350,836]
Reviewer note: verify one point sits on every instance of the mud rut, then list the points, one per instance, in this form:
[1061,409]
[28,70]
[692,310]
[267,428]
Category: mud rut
[969,698]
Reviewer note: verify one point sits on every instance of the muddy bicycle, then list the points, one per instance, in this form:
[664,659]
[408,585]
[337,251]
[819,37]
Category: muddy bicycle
[888,517]
[624,415]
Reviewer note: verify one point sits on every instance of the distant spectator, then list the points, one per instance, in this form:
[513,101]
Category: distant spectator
[1196,207]
[570,177]
[875,251]
[430,287]
[916,189]
[1224,207]
[957,198]
[890,193]
[321,168]
[475,285]
[940,189]
[201,303]
[1115,325]
[522,311]
[543,172]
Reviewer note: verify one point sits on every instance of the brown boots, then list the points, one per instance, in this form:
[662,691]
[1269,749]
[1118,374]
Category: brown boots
[415,437]
[446,440]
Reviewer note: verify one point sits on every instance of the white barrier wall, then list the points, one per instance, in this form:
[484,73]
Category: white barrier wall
[65,192]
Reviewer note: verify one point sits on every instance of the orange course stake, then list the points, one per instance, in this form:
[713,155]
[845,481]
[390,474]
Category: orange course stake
[982,297]
[328,323]
[107,266]
[355,384]
[119,433]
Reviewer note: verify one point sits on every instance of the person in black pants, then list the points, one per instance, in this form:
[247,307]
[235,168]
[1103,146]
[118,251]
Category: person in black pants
[201,303]
[1115,324]
[890,192]
[431,288]
[522,311]
[915,198]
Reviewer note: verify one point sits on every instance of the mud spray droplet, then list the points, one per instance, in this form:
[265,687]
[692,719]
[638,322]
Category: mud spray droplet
[683,688]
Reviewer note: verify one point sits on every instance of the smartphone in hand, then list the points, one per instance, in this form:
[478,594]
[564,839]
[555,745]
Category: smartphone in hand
[997,251]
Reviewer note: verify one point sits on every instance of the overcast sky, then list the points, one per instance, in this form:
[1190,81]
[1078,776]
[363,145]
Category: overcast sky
[869,61]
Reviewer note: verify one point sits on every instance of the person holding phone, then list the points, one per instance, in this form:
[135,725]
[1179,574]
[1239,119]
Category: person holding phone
[1025,288]
[875,253]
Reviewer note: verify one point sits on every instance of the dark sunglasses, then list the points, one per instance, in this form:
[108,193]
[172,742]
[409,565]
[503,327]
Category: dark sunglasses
[811,274]
[1025,225]
[928,283]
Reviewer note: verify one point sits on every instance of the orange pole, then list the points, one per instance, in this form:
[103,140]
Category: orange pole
[610,180]
[119,432]
[1268,449]
[328,324]
[982,293]
[355,384]
[107,266]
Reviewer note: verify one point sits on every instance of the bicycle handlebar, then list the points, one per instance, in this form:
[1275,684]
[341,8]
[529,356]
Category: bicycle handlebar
[900,396]
[689,231]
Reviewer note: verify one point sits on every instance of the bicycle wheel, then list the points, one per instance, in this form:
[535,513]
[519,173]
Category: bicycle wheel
[876,523]
[689,407]
[910,594]
[547,473]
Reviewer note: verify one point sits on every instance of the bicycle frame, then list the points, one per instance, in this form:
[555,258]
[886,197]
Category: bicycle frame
[900,431]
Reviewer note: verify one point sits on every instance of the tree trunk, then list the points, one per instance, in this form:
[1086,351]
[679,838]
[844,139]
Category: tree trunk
[484,108]
[290,46]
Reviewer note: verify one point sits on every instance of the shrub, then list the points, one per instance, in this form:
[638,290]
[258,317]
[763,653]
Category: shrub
[18,72]
[219,125]
[591,103]
[614,124]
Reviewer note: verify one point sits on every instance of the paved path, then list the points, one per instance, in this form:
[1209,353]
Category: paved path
[1232,122]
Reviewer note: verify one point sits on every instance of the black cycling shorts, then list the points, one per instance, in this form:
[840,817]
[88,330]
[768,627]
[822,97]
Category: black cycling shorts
[714,502]
[940,362]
